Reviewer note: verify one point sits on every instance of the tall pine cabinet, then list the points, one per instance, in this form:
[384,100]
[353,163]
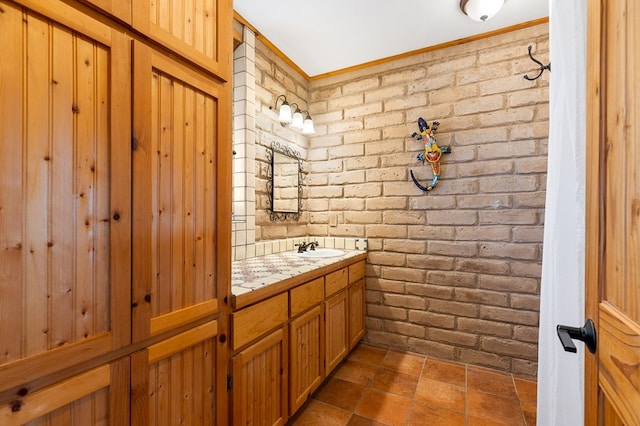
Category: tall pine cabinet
[115,158]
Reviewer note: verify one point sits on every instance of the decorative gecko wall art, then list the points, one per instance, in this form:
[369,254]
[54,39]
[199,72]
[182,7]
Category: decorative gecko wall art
[432,152]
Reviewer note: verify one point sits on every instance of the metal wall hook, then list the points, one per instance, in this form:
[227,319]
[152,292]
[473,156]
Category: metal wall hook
[542,67]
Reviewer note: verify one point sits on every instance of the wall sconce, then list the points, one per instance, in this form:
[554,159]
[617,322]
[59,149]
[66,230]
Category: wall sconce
[481,10]
[295,120]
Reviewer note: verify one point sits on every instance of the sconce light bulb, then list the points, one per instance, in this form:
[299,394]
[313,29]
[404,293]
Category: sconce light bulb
[307,128]
[285,113]
[297,122]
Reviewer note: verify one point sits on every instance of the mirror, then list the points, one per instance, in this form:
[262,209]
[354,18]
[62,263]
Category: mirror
[284,183]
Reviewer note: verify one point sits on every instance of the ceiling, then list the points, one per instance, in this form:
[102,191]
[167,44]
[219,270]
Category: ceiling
[322,36]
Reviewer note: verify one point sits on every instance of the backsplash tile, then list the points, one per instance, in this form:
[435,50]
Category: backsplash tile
[265,248]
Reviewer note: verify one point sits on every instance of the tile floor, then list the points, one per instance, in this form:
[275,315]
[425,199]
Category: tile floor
[375,387]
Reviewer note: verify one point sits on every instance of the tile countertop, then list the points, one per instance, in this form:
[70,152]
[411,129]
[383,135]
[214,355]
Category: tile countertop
[260,277]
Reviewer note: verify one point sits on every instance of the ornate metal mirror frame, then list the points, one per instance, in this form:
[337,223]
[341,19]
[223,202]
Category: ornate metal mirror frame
[284,183]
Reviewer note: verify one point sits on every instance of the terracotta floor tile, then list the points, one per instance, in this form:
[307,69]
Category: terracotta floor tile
[441,395]
[528,405]
[527,390]
[404,362]
[424,414]
[395,382]
[529,409]
[493,407]
[477,421]
[495,383]
[444,371]
[357,420]
[384,407]
[356,372]
[320,414]
[340,393]
[378,387]
[530,417]
[368,354]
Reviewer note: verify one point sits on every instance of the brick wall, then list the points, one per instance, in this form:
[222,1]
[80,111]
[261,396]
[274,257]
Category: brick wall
[274,78]
[453,273]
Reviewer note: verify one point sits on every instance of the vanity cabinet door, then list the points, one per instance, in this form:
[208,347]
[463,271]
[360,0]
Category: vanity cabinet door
[336,330]
[306,356]
[356,313]
[259,382]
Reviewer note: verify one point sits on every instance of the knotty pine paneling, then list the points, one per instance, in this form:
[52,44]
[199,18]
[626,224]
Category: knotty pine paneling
[88,398]
[177,121]
[178,381]
[181,387]
[121,9]
[56,175]
[195,29]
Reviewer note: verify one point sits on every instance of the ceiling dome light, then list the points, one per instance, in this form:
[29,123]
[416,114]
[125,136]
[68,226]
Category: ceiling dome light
[481,10]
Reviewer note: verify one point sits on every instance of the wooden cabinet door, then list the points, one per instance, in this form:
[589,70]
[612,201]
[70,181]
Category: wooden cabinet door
[356,313]
[181,194]
[259,389]
[99,396]
[199,30]
[336,330]
[181,380]
[306,356]
[65,194]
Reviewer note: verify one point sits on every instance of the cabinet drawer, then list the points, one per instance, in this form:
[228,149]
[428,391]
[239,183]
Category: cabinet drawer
[251,322]
[306,295]
[356,272]
[335,281]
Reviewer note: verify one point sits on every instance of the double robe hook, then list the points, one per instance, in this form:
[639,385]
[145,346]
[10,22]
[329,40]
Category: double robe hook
[542,67]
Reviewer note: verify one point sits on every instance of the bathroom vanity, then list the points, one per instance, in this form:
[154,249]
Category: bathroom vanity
[294,319]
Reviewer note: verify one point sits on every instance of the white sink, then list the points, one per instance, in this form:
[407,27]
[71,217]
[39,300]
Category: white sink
[321,252]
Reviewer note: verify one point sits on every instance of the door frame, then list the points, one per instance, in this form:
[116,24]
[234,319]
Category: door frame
[594,198]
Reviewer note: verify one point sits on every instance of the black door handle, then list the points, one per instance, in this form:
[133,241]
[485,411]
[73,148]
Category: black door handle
[586,334]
